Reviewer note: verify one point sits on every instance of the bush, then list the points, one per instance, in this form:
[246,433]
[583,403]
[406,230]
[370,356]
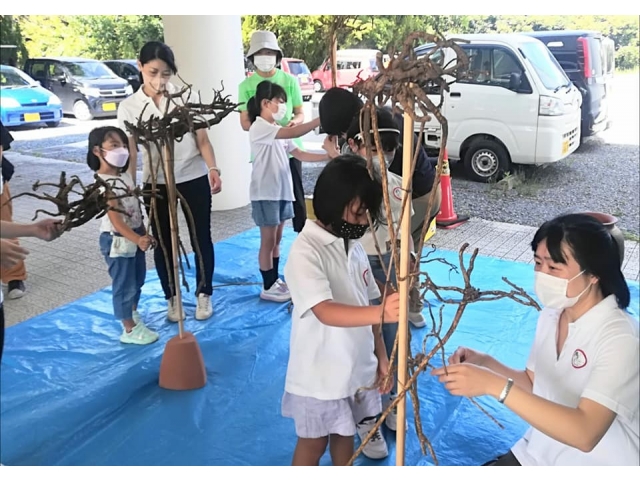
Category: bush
[627,58]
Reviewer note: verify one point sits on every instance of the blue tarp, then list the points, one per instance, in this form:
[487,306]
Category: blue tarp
[72,394]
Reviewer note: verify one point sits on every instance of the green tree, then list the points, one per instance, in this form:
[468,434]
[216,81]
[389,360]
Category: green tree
[11,34]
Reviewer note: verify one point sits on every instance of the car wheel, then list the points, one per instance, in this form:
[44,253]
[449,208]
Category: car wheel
[53,124]
[486,161]
[81,111]
[317,86]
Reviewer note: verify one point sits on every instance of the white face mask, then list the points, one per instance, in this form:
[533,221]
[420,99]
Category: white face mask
[552,291]
[117,157]
[282,111]
[265,63]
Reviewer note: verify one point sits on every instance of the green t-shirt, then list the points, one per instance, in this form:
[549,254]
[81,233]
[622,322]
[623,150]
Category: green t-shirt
[247,89]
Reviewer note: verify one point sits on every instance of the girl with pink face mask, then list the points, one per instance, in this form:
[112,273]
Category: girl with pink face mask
[123,238]
[579,389]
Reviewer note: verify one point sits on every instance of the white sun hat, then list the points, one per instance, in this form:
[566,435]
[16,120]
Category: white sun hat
[263,39]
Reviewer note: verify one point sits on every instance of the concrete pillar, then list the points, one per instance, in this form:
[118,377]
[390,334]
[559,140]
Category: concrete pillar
[208,51]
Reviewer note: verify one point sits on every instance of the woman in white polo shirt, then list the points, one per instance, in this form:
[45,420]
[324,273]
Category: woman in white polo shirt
[579,390]
[196,174]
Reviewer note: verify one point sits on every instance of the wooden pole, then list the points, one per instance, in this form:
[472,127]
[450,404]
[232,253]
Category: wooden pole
[173,222]
[403,287]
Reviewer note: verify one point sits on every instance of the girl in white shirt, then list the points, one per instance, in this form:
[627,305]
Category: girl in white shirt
[337,356]
[579,390]
[271,189]
[123,239]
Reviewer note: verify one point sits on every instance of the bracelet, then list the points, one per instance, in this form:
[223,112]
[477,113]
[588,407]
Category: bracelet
[505,390]
[216,169]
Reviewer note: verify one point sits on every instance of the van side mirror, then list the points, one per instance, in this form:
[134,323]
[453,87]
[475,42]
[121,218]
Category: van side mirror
[60,78]
[518,83]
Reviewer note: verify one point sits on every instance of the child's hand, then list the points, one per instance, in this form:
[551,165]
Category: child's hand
[144,242]
[392,308]
[384,381]
[11,253]
[330,145]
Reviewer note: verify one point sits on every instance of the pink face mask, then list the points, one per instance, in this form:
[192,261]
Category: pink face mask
[117,157]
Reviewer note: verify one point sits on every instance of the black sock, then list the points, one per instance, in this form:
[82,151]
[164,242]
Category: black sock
[266,279]
[276,263]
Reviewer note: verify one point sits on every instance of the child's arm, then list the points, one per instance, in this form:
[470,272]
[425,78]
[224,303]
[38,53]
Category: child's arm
[120,226]
[329,146]
[298,130]
[383,380]
[336,314]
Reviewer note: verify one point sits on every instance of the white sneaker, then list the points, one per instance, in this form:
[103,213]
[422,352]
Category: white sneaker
[136,317]
[172,310]
[279,292]
[204,310]
[392,419]
[417,319]
[376,448]
[139,335]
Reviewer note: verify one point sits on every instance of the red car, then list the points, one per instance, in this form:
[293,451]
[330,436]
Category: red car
[295,67]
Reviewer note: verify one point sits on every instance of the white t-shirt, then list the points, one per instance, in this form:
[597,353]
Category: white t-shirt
[271,174]
[394,187]
[599,361]
[328,363]
[131,204]
[189,163]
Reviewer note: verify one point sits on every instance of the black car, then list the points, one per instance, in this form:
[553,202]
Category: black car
[587,57]
[87,88]
[127,69]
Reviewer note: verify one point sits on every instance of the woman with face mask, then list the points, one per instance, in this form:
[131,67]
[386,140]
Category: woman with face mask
[265,54]
[196,174]
[579,390]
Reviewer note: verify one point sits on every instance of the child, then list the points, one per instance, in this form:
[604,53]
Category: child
[390,141]
[337,352]
[123,239]
[271,189]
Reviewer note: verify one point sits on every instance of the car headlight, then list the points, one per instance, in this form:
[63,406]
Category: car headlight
[8,102]
[54,100]
[90,92]
[550,106]
[128,90]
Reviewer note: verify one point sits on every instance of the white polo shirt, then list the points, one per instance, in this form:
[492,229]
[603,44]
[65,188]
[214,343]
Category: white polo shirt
[271,174]
[189,163]
[599,361]
[394,187]
[328,363]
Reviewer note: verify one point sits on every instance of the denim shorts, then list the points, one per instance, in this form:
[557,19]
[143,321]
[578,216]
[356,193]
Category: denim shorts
[271,213]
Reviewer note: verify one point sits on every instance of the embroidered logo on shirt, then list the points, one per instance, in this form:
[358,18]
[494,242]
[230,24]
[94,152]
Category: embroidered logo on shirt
[578,359]
[397,192]
[364,277]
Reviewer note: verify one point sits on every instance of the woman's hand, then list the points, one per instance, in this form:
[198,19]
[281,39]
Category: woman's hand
[467,355]
[215,181]
[48,229]
[469,380]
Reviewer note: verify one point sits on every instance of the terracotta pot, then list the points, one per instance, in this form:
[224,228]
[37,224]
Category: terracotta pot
[182,366]
[610,221]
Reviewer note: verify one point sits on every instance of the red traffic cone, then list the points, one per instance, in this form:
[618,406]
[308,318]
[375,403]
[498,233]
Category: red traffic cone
[447,217]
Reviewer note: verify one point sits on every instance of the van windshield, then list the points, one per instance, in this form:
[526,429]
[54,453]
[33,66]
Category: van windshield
[89,70]
[545,65]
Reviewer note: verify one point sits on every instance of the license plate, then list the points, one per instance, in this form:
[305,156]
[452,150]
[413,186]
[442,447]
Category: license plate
[565,147]
[31,117]
[109,107]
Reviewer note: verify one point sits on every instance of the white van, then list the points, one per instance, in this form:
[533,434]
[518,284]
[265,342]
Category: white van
[353,64]
[515,106]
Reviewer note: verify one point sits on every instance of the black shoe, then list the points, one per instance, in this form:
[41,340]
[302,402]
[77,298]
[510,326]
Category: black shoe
[16,289]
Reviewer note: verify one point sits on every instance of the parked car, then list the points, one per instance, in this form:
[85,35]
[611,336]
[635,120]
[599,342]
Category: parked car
[514,105]
[352,64]
[24,101]
[588,59]
[300,70]
[127,69]
[87,88]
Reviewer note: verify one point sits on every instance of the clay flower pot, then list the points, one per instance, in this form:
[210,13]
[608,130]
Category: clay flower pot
[610,221]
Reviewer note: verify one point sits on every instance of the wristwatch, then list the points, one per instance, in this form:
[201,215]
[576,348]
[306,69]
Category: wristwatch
[216,169]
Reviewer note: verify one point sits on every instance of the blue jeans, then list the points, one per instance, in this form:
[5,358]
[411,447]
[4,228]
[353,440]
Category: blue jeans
[127,275]
[389,330]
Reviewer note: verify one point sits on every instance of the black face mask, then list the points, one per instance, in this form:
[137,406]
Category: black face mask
[349,231]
